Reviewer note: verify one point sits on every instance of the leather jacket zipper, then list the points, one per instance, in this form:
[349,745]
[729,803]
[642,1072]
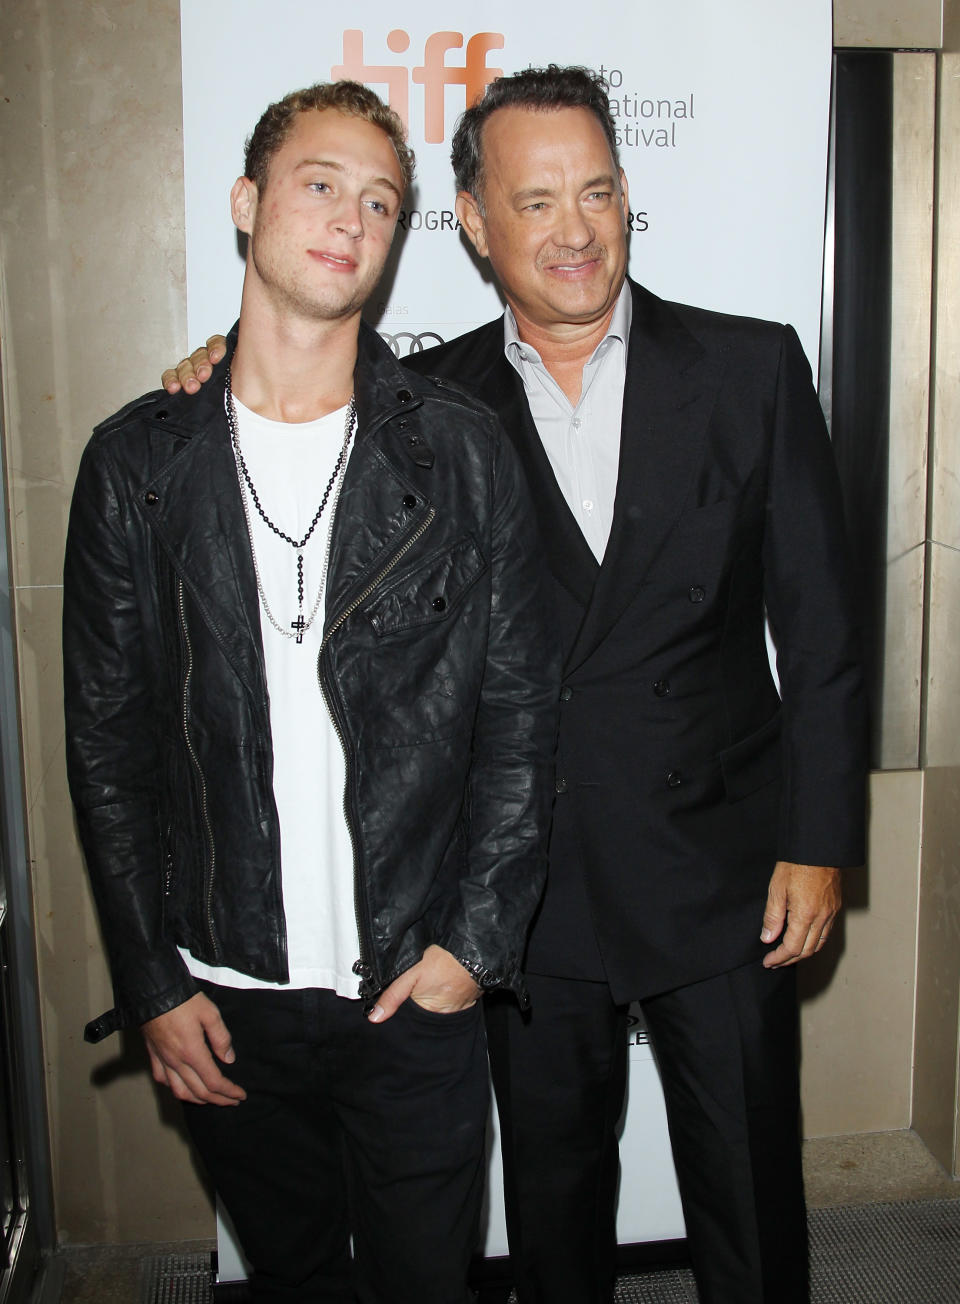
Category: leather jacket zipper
[359,902]
[204,809]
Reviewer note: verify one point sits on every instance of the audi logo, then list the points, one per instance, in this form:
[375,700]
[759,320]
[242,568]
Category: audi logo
[405,342]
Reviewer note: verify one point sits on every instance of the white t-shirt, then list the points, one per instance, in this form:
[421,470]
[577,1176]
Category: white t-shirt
[290,466]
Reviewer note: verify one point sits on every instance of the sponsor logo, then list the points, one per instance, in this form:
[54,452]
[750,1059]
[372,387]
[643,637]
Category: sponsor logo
[434,74]
[404,343]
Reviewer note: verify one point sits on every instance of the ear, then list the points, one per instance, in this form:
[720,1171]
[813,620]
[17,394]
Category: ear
[625,197]
[471,219]
[243,204]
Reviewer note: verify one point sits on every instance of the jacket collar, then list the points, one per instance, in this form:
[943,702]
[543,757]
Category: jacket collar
[194,507]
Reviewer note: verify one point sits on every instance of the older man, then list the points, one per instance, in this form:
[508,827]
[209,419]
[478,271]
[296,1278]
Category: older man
[684,486]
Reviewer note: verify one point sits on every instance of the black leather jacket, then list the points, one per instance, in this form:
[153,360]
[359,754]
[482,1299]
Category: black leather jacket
[436,665]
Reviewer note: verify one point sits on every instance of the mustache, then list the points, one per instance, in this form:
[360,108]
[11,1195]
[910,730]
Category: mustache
[560,254]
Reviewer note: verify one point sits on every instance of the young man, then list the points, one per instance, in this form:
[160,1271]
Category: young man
[684,485]
[310,719]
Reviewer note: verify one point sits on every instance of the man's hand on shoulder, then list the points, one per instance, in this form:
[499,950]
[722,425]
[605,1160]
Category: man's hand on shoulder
[438,982]
[805,898]
[190,373]
[180,1043]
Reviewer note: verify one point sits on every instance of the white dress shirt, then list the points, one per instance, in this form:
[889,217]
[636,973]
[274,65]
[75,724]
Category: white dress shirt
[582,441]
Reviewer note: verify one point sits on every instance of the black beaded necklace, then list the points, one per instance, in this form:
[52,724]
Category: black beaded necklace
[301,624]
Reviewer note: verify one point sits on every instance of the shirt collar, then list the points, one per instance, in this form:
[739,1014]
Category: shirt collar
[619,329]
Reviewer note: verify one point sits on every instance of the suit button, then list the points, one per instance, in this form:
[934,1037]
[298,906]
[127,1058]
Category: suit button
[673,779]
[566,692]
[661,687]
[439,604]
[409,501]
[697,593]
[151,498]
[561,785]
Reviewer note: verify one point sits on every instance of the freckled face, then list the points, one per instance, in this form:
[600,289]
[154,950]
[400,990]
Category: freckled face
[321,231]
[554,224]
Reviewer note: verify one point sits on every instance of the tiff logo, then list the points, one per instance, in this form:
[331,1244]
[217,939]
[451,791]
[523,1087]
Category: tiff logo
[434,74]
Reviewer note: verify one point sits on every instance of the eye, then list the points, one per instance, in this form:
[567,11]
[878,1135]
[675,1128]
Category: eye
[318,187]
[378,206]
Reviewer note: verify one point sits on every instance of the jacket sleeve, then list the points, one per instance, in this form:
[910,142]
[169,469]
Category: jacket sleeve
[812,613]
[510,785]
[112,753]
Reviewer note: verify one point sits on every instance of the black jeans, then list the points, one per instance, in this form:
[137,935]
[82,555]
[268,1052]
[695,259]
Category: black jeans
[349,1129]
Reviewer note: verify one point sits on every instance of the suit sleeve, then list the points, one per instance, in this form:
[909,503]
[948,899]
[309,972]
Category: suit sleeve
[811,607]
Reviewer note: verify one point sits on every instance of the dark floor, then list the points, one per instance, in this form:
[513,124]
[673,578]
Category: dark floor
[876,1168]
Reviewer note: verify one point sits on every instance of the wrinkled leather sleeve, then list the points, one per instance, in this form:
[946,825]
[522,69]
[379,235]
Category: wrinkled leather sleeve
[510,790]
[112,753]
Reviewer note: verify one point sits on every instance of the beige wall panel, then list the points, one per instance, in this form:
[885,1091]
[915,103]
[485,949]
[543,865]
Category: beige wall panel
[938,976]
[887,24]
[914,112]
[93,303]
[945,502]
[857,995]
[942,707]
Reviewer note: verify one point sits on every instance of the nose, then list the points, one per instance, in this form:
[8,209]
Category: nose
[574,228]
[348,217]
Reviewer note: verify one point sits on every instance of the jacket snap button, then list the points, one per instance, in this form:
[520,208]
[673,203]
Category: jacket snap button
[697,594]
[409,501]
[566,692]
[673,779]
[404,395]
[151,498]
[402,425]
[561,785]
[361,970]
[439,604]
[662,687]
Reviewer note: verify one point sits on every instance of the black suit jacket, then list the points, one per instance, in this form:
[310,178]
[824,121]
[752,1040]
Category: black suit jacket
[681,777]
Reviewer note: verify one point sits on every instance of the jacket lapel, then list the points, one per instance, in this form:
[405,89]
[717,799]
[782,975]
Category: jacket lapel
[193,506]
[668,397]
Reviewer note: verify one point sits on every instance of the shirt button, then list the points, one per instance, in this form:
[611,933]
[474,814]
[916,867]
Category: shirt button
[566,692]
[588,504]
[697,593]
[576,423]
[661,687]
[673,779]
[561,785]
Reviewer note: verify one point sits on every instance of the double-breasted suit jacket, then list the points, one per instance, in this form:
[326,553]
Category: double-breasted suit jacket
[682,777]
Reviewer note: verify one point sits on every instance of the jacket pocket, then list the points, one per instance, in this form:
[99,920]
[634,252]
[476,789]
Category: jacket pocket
[430,593]
[752,762]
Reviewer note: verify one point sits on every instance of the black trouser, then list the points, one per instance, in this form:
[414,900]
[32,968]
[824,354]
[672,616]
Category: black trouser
[349,1129]
[726,1048]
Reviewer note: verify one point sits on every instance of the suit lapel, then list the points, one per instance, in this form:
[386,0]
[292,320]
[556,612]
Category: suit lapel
[668,397]
[568,553]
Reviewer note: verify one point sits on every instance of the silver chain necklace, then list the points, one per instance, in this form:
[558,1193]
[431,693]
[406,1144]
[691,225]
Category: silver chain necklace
[248,491]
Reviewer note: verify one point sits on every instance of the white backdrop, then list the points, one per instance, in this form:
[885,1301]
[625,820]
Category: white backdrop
[722,110]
